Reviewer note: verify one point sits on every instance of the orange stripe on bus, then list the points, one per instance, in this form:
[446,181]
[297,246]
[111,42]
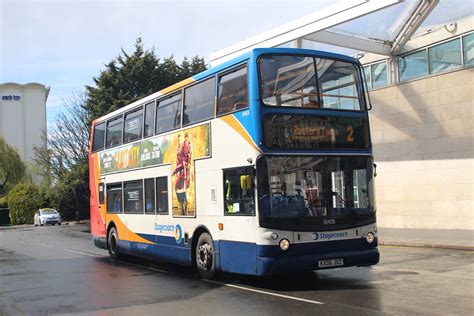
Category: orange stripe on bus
[235,124]
[124,232]
[177,86]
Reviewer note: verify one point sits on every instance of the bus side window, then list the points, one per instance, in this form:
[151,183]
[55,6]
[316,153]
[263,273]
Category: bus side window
[162,195]
[233,91]
[150,196]
[99,137]
[114,198]
[199,102]
[101,193]
[239,191]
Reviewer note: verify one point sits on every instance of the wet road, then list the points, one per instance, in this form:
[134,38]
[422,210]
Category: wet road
[57,270]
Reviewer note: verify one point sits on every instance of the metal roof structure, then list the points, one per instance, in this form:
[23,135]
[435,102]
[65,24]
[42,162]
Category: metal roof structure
[349,24]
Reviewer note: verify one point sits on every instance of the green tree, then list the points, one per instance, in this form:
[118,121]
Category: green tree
[130,77]
[23,201]
[12,168]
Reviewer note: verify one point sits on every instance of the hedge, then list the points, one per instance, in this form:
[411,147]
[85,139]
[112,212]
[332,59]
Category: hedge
[24,200]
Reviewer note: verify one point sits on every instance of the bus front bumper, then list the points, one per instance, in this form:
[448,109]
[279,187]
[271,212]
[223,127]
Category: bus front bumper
[308,262]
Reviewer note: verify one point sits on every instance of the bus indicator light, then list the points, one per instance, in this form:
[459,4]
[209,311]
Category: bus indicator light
[221,226]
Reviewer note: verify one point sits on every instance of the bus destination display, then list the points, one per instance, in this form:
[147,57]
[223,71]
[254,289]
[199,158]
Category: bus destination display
[311,132]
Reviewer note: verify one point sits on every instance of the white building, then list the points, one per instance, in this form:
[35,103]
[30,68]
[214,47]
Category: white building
[23,116]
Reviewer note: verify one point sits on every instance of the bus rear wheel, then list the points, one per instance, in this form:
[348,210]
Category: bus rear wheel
[112,241]
[205,256]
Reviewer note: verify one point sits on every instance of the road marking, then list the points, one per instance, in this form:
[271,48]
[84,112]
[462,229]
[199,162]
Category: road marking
[235,286]
[266,293]
[82,253]
[44,245]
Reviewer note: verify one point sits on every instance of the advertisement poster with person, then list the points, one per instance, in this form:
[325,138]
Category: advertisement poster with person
[187,146]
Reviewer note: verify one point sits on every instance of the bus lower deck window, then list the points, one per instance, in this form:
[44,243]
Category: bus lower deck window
[239,188]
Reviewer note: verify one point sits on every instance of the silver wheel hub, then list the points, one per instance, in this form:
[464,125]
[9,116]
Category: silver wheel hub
[204,256]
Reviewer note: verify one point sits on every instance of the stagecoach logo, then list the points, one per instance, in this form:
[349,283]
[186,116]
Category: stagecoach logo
[169,230]
[178,234]
[330,236]
[164,228]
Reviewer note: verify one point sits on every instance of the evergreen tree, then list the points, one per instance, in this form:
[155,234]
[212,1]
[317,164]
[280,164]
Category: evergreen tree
[130,77]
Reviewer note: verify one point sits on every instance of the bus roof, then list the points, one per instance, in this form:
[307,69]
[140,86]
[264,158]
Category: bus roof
[253,54]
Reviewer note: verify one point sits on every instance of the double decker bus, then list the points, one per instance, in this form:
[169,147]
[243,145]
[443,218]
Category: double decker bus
[259,166]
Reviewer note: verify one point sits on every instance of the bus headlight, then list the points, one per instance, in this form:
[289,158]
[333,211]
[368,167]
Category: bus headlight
[370,237]
[284,244]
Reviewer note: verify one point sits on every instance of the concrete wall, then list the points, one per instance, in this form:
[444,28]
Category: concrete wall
[23,116]
[422,133]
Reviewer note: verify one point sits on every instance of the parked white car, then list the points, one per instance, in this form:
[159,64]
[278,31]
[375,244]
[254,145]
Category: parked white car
[47,216]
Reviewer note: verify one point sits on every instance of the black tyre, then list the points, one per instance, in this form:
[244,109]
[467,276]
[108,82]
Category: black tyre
[59,223]
[205,259]
[112,241]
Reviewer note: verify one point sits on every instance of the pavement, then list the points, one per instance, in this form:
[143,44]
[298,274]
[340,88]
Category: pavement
[427,238]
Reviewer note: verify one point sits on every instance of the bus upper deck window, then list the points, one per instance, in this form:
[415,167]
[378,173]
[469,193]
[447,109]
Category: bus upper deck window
[99,137]
[233,91]
[133,126]
[339,83]
[114,132]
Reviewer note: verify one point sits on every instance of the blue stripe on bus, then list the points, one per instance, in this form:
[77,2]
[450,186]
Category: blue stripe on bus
[253,259]
[220,67]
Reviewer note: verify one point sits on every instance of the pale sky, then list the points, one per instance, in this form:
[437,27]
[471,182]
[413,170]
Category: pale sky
[65,43]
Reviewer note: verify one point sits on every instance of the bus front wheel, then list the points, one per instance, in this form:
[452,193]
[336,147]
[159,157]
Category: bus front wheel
[205,256]
[113,243]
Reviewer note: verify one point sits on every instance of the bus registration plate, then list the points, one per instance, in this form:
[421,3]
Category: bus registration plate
[330,263]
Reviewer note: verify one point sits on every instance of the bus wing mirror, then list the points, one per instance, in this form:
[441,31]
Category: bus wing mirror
[375,170]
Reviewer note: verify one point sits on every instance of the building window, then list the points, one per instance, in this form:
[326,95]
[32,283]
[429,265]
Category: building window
[162,195]
[239,191]
[133,197]
[376,75]
[445,56]
[368,79]
[468,49]
[413,65]
[198,102]
[132,129]
[438,58]
[149,119]
[114,132]
[99,137]
[114,198]
[149,196]
[379,74]
[233,91]
[168,114]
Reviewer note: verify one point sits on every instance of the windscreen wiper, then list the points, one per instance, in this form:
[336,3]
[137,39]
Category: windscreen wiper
[326,201]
